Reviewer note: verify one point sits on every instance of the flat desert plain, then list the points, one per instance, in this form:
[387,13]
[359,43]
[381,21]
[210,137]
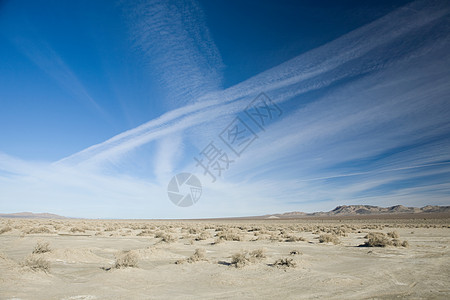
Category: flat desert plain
[222,259]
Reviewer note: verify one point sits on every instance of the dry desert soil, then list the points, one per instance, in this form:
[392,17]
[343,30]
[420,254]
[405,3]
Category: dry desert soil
[222,259]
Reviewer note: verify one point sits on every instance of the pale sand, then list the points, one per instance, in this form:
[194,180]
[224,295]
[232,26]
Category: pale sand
[325,271]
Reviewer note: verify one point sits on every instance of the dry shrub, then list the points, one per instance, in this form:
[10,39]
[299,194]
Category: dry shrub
[379,239]
[36,263]
[275,237]
[203,236]
[41,247]
[244,258]
[240,260]
[230,235]
[199,255]
[77,229]
[145,233]
[393,234]
[126,259]
[285,263]
[293,238]
[167,238]
[258,254]
[109,228]
[40,229]
[329,238]
[5,229]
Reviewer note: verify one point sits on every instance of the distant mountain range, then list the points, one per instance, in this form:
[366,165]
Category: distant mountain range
[340,211]
[363,210]
[30,215]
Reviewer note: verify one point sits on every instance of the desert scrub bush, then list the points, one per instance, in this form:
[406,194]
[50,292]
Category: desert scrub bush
[36,263]
[167,238]
[285,263]
[244,258]
[41,247]
[35,230]
[145,233]
[109,228]
[379,239]
[126,259]
[393,234]
[293,238]
[77,229]
[203,236]
[5,229]
[230,235]
[258,254]
[240,260]
[199,255]
[328,238]
[274,237]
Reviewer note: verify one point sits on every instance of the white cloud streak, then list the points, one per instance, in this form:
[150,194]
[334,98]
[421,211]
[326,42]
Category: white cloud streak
[394,117]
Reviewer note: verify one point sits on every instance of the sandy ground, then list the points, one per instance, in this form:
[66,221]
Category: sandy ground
[83,253]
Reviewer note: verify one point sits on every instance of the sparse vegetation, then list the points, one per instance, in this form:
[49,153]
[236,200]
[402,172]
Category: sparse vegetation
[379,239]
[329,238]
[126,259]
[244,258]
[393,234]
[199,255]
[41,247]
[285,263]
[36,230]
[5,229]
[36,263]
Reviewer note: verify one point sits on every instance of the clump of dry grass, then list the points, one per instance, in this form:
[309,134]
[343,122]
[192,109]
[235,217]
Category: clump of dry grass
[379,239]
[77,229]
[5,229]
[41,247]
[329,238]
[245,258]
[145,233]
[240,260]
[230,235]
[285,263]
[293,238]
[199,255]
[35,230]
[393,234]
[203,236]
[165,237]
[126,259]
[36,263]
[258,254]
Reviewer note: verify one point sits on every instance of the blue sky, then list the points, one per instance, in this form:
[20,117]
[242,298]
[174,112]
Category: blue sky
[103,102]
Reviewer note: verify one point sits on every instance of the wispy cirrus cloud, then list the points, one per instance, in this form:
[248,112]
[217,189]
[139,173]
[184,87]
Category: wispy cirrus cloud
[176,45]
[354,54]
[377,132]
